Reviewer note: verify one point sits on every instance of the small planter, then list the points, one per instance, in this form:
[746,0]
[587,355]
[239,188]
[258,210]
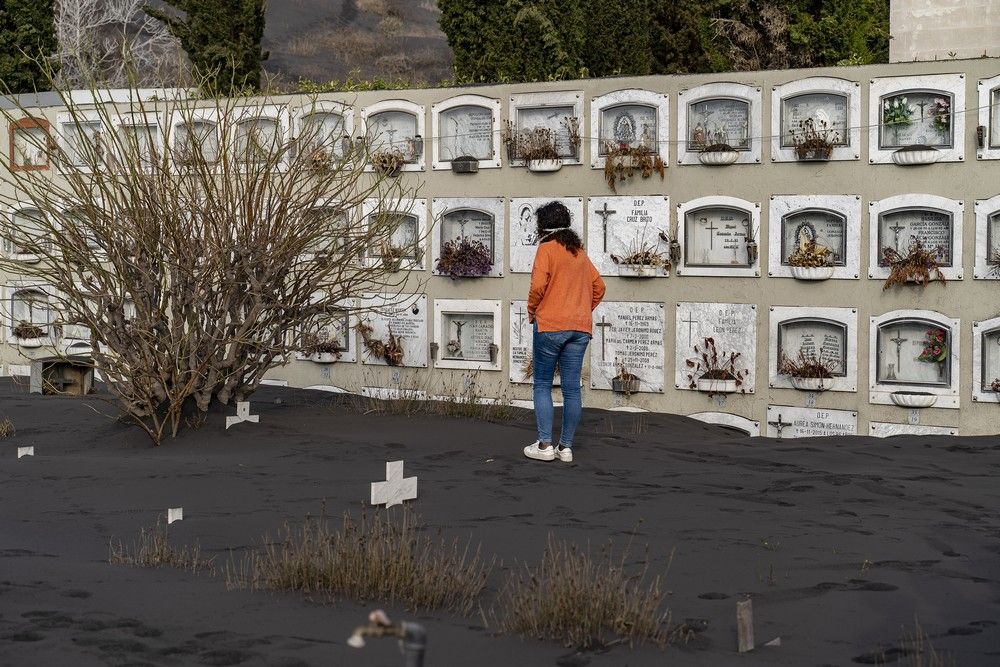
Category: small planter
[752,252]
[712,386]
[913,399]
[629,386]
[26,258]
[324,357]
[812,272]
[814,154]
[639,270]
[542,166]
[391,173]
[809,384]
[29,343]
[465,165]
[911,156]
[718,158]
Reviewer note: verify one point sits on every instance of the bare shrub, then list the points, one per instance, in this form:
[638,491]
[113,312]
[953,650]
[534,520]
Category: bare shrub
[915,650]
[384,556]
[584,602]
[758,39]
[6,427]
[152,549]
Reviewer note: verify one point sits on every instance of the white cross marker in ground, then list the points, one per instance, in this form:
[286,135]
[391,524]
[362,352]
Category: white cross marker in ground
[396,488]
[175,514]
[25,451]
[242,415]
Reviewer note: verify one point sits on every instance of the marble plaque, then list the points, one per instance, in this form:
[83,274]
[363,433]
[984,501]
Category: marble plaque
[633,125]
[716,236]
[933,228]
[719,121]
[622,226]
[469,224]
[826,228]
[888,429]
[338,329]
[469,336]
[829,108]
[521,345]
[30,146]
[524,228]
[815,339]
[733,326]
[809,422]
[916,117]
[390,130]
[628,334]
[324,130]
[550,118]
[899,344]
[466,131]
[405,316]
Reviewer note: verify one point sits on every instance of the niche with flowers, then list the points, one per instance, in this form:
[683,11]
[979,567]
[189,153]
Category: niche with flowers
[394,133]
[917,119]
[913,361]
[468,237]
[818,112]
[904,227]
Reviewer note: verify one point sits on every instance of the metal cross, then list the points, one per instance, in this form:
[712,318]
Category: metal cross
[779,425]
[396,488]
[603,325]
[605,213]
[922,104]
[898,340]
[896,229]
[242,415]
[711,235]
[690,321]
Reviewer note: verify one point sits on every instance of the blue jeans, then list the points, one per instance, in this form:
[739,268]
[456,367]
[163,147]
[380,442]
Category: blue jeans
[567,348]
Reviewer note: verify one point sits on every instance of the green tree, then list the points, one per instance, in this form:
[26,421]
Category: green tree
[222,39]
[618,38]
[27,41]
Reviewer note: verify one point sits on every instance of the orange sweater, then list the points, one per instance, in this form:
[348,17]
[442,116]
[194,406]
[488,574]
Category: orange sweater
[564,289]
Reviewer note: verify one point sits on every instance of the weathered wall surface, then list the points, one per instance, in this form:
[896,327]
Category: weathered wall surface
[654,321]
[943,29]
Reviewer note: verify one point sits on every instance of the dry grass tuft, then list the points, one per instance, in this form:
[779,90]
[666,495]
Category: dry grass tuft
[381,557]
[7,428]
[152,549]
[582,602]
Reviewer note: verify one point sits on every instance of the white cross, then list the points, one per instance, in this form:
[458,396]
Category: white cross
[395,489]
[25,451]
[242,415]
[175,514]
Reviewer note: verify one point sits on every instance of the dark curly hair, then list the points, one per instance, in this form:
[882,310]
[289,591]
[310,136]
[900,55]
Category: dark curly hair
[554,220]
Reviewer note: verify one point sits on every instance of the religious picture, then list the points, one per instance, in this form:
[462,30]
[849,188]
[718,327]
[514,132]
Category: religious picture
[719,121]
[527,226]
[632,125]
[468,224]
[470,336]
[827,228]
[466,131]
[824,341]
[552,118]
[827,111]
[913,352]
[916,118]
[717,236]
[394,130]
[897,229]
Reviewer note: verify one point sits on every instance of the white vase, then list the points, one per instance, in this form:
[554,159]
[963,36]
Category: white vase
[323,358]
[717,386]
[544,165]
[638,270]
[908,158]
[911,400]
[810,384]
[29,343]
[718,158]
[812,272]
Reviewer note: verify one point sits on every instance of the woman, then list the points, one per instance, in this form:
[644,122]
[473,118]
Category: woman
[565,289]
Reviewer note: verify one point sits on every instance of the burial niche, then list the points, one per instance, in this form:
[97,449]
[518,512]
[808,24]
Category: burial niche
[328,225]
[29,144]
[993,244]
[829,113]
[818,340]
[85,144]
[323,134]
[402,242]
[390,131]
[469,336]
[932,228]
[913,352]
[719,120]
[30,316]
[196,138]
[329,341]
[631,125]
[916,117]
[141,140]
[718,236]
[556,119]
[467,248]
[995,118]
[27,238]
[256,139]
[990,364]
[827,228]
[465,131]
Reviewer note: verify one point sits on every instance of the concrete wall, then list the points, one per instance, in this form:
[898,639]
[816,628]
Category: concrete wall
[943,29]
[862,172]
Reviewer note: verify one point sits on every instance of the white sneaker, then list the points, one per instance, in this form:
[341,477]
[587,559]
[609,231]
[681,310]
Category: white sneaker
[565,454]
[533,451]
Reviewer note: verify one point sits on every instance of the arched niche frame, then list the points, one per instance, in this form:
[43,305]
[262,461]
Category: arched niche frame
[192,130]
[396,124]
[476,218]
[409,235]
[529,111]
[323,125]
[933,219]
[30,302]
[750,427]
[338,327]
[79,135]
[988,144]
[916,98]
[257,131]
[468,334]
[140,134]
[823,99]
[466,126]
[726,112]
[896,340]
[987,264]
[833,221]
[28,223]
[716,235]
[986,361]
[828,334]
[632,116]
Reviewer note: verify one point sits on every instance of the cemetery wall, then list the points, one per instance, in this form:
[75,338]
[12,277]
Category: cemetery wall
[856,203]
[943,29]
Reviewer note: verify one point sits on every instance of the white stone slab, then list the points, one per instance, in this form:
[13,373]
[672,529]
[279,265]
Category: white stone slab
[242,415]
[629,334]
[465,330]
[985,360]
[989,117]
[394,393]
[524,228]
[837,102]
[521,344]
[888,429]
[833,221]
[732,325]
[395,124]
[634,116]
[623,225]
[809,422]
[987,238]
[933,219]
[547,110]
[919,131]
[466,125]
[396,488]
[175,514]
[830,334]
[25,451]
[749,426]
[274,382]
[405,316]
[714,233]
[411,233]
[892,364]
[714,106]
